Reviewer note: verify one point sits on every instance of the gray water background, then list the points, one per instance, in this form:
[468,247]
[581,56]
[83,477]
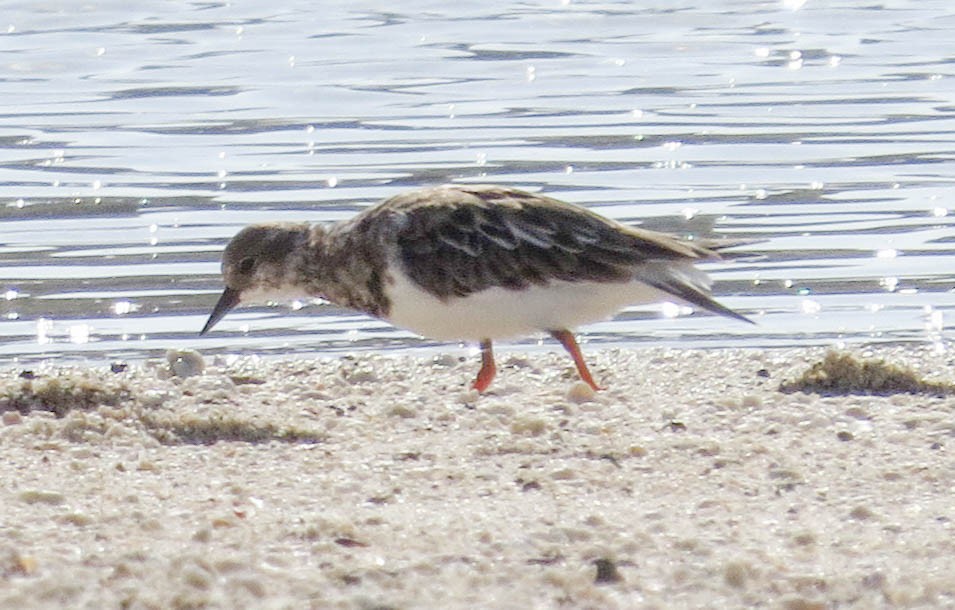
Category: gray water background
[137,137]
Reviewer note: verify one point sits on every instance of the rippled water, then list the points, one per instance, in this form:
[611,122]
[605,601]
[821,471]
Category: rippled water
[136,138]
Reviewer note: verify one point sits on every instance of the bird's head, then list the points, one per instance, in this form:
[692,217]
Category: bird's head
[260,264]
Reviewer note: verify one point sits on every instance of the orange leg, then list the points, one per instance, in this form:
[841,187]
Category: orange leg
[566,339]
[488,368]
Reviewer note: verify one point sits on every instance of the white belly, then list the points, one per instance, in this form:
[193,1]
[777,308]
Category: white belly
[498,313]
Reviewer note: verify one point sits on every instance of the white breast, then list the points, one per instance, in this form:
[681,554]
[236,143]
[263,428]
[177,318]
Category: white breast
[499,313]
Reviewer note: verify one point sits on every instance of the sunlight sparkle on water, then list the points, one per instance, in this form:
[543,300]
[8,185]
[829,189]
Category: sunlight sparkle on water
[124,307]
[810,307]
[934,319]
[43,329]
[80,333]
[795,64]
[673,310]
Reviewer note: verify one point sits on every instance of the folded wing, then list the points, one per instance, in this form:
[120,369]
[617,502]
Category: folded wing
[454,241]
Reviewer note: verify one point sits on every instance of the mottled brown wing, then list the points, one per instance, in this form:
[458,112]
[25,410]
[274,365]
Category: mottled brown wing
[454,241]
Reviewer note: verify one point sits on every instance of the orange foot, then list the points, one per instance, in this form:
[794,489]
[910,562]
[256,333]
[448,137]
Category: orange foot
[567,339]
[488,368]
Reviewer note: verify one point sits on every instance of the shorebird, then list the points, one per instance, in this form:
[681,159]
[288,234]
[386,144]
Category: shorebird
[475,263]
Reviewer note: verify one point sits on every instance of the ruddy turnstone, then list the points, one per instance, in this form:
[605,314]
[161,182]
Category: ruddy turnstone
[472,263]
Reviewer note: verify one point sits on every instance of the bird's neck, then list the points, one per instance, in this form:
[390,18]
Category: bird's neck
[347,267]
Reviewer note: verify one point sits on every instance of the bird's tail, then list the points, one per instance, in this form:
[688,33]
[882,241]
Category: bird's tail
[688,284]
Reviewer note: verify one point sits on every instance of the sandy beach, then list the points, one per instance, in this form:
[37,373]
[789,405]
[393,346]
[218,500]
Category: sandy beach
[380,481]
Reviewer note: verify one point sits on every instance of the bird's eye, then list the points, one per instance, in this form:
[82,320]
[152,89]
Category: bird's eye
[246,265]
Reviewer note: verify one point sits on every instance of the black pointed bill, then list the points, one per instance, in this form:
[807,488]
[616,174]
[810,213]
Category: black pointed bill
[228,300]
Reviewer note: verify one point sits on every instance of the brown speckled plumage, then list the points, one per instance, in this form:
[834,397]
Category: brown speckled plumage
[347,265]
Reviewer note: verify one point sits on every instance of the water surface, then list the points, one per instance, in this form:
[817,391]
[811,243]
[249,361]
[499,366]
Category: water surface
[135,139]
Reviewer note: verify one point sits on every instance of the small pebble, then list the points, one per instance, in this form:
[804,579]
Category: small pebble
[364,375]
[402,412]
[804,539]
[529,426]
[801,603]
[154,398]
[518,362]
[581,392]
[41,496]
[255,587]
[23,564]
[77,519]
[564,474]
[470,397]
[606,572]
[147,466]
[444,360]
[185,363]
[857,413]
[12,418]
[736,573]
[27,564]
[874,580]
[195,577]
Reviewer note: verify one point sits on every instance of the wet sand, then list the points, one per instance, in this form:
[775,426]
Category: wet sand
[381,482]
